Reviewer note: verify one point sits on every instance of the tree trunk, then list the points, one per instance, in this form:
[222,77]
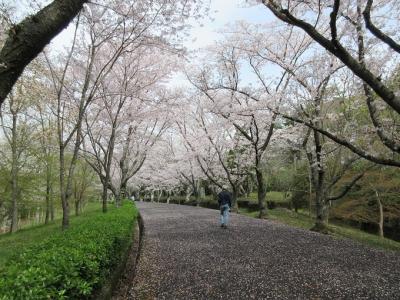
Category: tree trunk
[321,221]
[235,194]
[197,199]
[71,171]
[188,194]
[123,164]
[196,191]
[47,214]
[28,38]
[14,207]
[65,208]
[51,205]
[118,200]
[109,156]
[76,207]
[261,194]
[66,182]
[177,195]
[48,195]
[37,215]
[14,177]
[120,196]
[310,192]
[159,196]
[2,216]
[242,191]
[122,191]
[104,195]
[249,185]
[64,199]
[381,219]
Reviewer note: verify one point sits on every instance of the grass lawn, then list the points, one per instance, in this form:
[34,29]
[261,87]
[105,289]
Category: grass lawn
[271,196]
[12,244]
[304,221]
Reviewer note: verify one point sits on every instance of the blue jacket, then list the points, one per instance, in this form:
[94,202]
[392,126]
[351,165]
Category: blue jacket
[224,197]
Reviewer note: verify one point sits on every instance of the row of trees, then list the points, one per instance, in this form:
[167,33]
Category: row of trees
[319,89]
[96,108]
[324,84]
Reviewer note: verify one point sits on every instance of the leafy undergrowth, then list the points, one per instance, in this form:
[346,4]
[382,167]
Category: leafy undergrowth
[70,264]
[304,221]
[361,204]
[277,197]
[12,244]
[365,238]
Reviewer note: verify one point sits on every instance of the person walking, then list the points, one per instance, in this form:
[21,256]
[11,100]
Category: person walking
[225,203]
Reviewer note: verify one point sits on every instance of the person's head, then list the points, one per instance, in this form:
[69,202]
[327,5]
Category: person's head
[225,187]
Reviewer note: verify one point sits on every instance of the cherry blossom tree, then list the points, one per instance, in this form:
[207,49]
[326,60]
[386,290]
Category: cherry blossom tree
[34,145]
[104,31]
[350,28]
[218,149]
[133,152]
[113,94]
[84,73]
[46,137]
[17,128]
[304,101]
[222,84]
[328,24]
[126,123]
[328,162]
[108,32]
[162,169]
[28,38]
[188,172]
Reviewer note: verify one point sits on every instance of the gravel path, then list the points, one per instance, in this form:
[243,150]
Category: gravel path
[186,255]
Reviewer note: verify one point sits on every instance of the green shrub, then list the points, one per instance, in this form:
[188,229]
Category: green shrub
[70,264]
[300,199]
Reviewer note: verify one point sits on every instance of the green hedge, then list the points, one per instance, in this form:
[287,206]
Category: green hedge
[71,264]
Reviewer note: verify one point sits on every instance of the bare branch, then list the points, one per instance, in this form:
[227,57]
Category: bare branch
[376,31]
[340,52]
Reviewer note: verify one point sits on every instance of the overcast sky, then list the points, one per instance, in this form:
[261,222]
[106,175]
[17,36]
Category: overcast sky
[222,12]
[225,12]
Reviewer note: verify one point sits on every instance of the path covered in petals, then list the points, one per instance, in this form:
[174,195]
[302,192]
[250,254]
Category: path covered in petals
[186,255]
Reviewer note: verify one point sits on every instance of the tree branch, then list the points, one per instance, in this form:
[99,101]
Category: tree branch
[28,38]
[347,188]
[332,22]
[376,31]
[340,52]
[341,141]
